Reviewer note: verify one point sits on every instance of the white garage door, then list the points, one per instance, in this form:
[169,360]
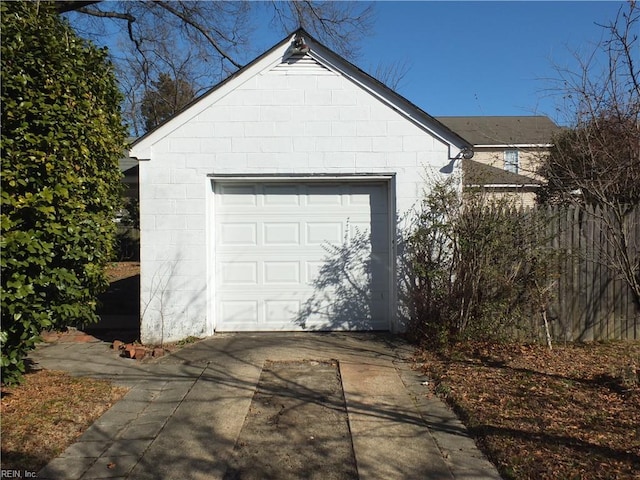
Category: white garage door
[311,256]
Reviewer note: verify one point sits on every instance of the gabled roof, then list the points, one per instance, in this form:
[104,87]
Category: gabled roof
[503,131]
[279,53]
[476,174]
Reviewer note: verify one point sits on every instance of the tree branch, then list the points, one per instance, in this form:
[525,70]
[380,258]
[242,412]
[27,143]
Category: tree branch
[102,14]
[64,6]
[189,21]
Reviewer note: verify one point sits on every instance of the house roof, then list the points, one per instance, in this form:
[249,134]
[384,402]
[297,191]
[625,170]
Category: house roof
[323,55]
[503,131]
[126,163]
[476,173]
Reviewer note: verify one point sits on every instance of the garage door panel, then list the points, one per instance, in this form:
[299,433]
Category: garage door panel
[346,317]
[282,195]
[238,195]
[232,233]
[301,256]
[239,273]
[372,197]
[359,229]
[278,310]
[281,233]
[312,270]
[239,312]
[282,272]
[324,195]
[318,233]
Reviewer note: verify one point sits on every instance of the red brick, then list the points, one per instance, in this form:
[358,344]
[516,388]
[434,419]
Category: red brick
[158,352]
[140,353]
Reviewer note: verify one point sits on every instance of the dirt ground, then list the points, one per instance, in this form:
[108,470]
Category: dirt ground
[121,270]
[296,426]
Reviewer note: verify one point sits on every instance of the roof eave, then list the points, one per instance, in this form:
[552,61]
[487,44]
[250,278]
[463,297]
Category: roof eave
[503,185]
[514,145]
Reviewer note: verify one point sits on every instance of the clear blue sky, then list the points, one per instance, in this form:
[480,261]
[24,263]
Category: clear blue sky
[485,58]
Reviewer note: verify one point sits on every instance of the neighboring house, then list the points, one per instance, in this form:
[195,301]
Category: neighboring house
[273,202]
[130,192]
[507,152]
[129,169]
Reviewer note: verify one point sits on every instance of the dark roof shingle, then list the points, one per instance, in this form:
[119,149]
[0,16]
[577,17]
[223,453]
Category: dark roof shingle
[476,173]
[510,130]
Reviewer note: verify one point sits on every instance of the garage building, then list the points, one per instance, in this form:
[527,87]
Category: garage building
[273,202]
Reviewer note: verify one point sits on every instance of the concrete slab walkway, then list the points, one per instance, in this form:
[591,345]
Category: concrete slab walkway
[184,412]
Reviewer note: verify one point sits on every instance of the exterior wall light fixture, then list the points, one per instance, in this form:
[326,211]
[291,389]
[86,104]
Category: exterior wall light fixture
[299,45]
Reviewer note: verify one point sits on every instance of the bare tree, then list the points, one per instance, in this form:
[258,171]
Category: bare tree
[168,96]
[205,41]
[596,162]
[392,74]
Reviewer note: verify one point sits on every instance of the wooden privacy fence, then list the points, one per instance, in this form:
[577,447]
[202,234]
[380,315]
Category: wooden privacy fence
[590,300]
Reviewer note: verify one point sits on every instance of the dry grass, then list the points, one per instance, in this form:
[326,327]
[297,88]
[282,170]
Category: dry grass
[47,413]
[50,409]
[570,413]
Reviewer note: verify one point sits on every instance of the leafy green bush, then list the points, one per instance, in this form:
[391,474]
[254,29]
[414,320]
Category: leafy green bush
[62,136]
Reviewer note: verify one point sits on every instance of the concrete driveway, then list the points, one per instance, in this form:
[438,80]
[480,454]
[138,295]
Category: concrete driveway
[184,413]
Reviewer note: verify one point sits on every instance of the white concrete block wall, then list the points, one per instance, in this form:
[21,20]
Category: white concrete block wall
[272,123]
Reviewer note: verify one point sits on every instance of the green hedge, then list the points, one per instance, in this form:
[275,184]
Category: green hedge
[62,136]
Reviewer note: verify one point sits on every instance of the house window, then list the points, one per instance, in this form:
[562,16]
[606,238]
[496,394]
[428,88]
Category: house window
[511,161]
